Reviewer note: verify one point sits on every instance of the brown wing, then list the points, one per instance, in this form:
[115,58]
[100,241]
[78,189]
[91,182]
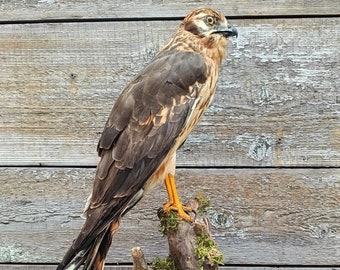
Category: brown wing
[142,127]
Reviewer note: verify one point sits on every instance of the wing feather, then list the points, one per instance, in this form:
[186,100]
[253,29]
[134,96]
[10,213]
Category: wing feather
[153,104]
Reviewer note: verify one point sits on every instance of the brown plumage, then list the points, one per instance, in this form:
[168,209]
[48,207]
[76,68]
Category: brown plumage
[150,120]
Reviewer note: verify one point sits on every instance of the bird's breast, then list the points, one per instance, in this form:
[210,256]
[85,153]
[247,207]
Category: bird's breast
[167,166]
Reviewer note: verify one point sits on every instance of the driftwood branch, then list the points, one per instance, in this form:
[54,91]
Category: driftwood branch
[190,244]
[182,241]
[139,262]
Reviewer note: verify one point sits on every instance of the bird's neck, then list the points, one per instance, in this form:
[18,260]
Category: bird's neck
[211,47]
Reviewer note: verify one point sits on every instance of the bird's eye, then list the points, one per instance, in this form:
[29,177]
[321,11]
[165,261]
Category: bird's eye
[210,20]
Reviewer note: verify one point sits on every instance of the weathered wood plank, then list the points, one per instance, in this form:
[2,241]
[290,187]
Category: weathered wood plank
[46,9]
[277,102]
[53,267]
[115,267]
[259,216]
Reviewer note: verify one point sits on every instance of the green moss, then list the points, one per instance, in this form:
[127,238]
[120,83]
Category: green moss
[203,202]
[168,222]
[164,264]
[207,251]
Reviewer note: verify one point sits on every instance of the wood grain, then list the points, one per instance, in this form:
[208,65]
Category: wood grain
[277,102]
[115,267]
[47,9]
[258,216]
[53,267]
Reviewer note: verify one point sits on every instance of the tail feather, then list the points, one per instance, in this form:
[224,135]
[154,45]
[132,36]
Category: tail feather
[97,260]
[92,256]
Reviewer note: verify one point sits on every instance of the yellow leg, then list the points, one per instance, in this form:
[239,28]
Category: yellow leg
[174,202]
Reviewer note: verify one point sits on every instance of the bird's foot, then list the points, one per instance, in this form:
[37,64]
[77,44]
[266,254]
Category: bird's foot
[174,203]
[181,210]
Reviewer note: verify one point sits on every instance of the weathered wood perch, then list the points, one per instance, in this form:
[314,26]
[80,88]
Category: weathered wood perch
[190,244]
[139,262]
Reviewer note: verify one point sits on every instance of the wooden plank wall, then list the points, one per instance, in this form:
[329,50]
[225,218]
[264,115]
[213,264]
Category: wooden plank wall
[267,152]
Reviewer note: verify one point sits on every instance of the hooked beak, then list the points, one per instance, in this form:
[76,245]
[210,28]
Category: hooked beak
[226,30]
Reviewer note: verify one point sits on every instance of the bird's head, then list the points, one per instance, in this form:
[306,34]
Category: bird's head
[206,22]
[206,31]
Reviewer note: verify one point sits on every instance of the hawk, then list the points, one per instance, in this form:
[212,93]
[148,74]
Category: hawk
[149,121]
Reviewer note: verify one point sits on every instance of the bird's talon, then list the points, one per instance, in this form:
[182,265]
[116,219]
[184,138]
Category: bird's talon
[187,209]
[182,211]
[160,212]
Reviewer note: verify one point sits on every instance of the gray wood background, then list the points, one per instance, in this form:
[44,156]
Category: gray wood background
[267,152]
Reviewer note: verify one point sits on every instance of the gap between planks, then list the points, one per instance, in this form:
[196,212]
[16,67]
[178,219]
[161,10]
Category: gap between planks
[129,267]
[151,19]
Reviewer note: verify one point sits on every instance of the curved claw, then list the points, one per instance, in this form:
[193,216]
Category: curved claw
[180,209]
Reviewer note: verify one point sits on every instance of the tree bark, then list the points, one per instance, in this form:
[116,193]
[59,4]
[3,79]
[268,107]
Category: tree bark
[182,242]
